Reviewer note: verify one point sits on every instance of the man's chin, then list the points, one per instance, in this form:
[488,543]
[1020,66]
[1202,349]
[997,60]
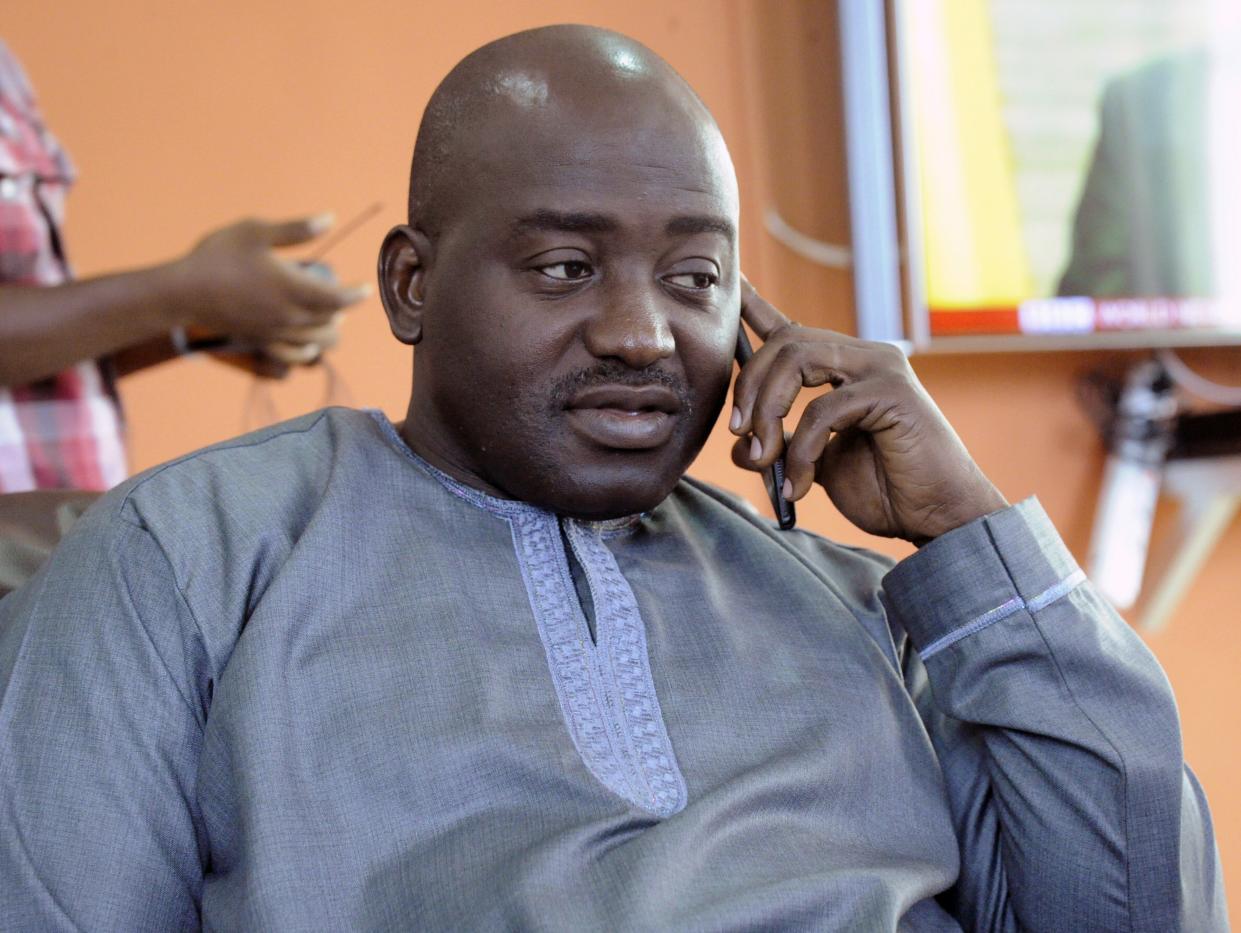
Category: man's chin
[591,482]
[599,495]
[597,505]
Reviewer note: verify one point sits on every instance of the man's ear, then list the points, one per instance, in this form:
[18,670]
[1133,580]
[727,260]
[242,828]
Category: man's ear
[403,261]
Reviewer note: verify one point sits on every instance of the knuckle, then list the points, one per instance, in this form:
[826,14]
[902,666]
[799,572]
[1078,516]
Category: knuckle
[892,356]
[822,408]
[789,355]
[787,329]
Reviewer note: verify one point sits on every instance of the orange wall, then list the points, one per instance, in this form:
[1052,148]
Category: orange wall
[183,116]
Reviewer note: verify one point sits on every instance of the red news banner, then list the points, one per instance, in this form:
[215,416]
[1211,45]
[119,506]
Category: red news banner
[1079,315]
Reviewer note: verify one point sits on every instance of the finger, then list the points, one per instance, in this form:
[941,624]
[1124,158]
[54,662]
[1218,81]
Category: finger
[797,366]
[292,232]
[745,388]
[848,407]
[314,294]
[822,417]
[762,316]
[325,336]
[773,399]
[769,383]
[741,455]
[292,354]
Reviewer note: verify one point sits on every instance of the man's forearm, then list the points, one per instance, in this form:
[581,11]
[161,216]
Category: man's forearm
[1058,737]
[46,330]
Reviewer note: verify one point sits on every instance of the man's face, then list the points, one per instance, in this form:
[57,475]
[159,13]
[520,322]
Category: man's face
[581,311]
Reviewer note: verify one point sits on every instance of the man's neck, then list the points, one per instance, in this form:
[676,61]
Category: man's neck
[423,444]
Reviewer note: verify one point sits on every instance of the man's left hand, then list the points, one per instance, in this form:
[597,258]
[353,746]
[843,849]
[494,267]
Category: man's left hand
[877,443]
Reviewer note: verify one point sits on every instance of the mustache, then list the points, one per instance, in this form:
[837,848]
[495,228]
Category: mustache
[612,373]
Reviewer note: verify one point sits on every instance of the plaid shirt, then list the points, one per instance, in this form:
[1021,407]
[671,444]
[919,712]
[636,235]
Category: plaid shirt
[64,431]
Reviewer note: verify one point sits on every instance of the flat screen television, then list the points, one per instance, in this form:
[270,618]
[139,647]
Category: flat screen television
[1036,174]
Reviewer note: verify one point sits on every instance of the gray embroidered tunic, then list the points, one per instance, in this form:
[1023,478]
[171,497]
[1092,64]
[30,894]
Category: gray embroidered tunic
[302,681]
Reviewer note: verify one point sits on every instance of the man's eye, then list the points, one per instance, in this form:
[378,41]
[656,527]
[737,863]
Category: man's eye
[567,271]
[699,281]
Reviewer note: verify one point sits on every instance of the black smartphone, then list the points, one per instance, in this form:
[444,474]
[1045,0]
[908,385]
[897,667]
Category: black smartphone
[773,476]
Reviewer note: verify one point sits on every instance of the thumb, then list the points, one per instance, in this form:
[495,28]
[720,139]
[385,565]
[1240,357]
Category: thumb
[292,232]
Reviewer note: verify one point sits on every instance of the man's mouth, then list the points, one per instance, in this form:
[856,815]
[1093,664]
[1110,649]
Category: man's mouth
[624,417]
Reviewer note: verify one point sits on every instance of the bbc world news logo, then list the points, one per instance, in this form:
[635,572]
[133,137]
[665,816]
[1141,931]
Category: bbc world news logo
[1081,315]
[1056,316]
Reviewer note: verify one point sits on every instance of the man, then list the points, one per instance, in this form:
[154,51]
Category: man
[504,667]
[1144,220]
[63,342]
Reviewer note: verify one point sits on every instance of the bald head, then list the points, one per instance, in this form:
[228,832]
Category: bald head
[572,243]
[555,80]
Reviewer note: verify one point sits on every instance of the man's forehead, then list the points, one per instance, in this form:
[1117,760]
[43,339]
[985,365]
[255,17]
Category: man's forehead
[596,170]
[566,131]
[580,133]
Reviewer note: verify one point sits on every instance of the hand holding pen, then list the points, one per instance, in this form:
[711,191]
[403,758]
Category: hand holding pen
[260,311]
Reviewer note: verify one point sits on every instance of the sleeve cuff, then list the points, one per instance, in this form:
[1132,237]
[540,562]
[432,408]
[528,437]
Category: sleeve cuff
[978,574]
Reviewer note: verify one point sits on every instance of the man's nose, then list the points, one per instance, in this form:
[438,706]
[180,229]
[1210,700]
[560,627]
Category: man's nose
[630,326]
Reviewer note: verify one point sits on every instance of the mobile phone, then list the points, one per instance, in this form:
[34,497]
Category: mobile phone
[773,476]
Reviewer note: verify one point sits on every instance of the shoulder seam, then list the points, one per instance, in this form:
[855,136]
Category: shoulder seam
[226,445]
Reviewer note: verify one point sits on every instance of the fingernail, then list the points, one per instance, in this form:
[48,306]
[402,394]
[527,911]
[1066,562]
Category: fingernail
[735,422]
[358,292]
[321,222]
[787,490]
[756,449]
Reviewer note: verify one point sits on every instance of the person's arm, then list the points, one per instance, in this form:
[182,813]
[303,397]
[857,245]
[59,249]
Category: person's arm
[103,699]
[231,284]
[1058,736]
[1056,729]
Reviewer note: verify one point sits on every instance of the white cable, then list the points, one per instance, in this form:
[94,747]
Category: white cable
[1194,384]
[825,254]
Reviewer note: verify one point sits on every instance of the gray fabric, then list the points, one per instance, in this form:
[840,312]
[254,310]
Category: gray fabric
[297,682]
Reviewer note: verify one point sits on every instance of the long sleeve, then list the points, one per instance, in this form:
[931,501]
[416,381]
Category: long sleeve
[1059,740]
[102,706]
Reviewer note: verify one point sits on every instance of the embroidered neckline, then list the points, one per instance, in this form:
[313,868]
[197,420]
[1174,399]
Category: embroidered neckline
[605,689]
